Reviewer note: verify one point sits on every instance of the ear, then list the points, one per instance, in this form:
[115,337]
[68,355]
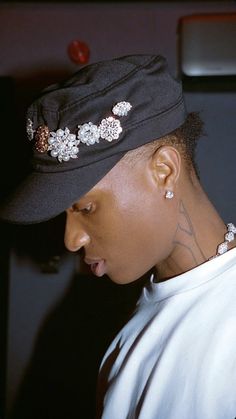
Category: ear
[166,166]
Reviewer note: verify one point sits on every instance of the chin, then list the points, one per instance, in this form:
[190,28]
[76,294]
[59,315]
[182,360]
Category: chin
[128,278]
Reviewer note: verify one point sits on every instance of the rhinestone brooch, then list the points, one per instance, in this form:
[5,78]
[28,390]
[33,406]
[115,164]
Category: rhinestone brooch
[89,133]
[110,129]
[29,129]
[121,108]
[63,145]
[41,138]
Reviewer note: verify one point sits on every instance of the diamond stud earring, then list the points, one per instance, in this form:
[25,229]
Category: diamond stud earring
[169,194]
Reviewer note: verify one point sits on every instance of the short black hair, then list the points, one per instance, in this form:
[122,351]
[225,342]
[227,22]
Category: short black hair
[184,138]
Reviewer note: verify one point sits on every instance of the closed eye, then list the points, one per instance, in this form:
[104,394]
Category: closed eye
[86,209]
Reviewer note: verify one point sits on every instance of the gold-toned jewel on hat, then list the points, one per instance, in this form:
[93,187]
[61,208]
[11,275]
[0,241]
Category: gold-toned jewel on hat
[41,138]
[29,129]
[121,108]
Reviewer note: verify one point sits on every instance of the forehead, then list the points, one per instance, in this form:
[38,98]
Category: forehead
[121,179]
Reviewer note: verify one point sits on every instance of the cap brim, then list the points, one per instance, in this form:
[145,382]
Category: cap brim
[42,196]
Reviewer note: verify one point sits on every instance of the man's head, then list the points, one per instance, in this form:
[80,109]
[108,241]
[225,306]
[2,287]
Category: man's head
[81,128]
[125,224]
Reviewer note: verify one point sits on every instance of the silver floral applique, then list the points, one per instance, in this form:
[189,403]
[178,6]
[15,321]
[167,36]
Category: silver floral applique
[110,129]
[121,108]
[29,129]
[63,145]
[88,133]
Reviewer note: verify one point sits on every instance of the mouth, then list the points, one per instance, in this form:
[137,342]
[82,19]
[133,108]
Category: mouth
[97,266]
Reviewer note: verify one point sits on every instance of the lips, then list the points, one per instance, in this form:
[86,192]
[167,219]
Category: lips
[97,266]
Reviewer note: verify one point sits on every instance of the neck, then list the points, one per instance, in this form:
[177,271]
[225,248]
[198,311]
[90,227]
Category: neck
[199,231]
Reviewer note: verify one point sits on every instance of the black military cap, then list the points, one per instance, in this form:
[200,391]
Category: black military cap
[82,127]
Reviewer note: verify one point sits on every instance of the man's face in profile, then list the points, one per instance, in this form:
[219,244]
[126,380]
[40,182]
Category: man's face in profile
[121,224]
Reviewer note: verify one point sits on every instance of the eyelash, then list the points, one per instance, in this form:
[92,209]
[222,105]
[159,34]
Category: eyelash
[85,210]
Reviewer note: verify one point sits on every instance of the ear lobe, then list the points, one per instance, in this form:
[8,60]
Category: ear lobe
[166,166]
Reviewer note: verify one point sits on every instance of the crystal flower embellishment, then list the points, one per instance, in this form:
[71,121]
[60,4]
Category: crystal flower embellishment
[89,133]
[29,129]
[110,129]
[63,145]
[121,108]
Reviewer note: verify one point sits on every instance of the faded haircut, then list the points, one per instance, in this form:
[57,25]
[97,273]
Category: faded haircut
[184,139]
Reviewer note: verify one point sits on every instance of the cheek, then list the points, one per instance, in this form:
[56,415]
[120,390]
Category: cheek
[135,229]
[134,244]
[153,236]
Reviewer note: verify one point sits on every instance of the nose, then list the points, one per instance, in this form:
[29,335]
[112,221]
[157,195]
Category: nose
[75,235]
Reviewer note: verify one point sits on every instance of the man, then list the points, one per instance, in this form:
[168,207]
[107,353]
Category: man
[114,147]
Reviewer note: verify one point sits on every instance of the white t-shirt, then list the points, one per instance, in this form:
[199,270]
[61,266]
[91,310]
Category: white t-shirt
[176,357]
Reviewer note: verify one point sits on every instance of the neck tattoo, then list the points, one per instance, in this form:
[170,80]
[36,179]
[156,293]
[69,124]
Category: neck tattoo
[229,237]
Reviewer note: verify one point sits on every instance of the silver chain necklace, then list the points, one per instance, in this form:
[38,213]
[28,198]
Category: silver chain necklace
[229,237]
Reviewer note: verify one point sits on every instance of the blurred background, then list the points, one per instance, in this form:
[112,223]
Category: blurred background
[56,319]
